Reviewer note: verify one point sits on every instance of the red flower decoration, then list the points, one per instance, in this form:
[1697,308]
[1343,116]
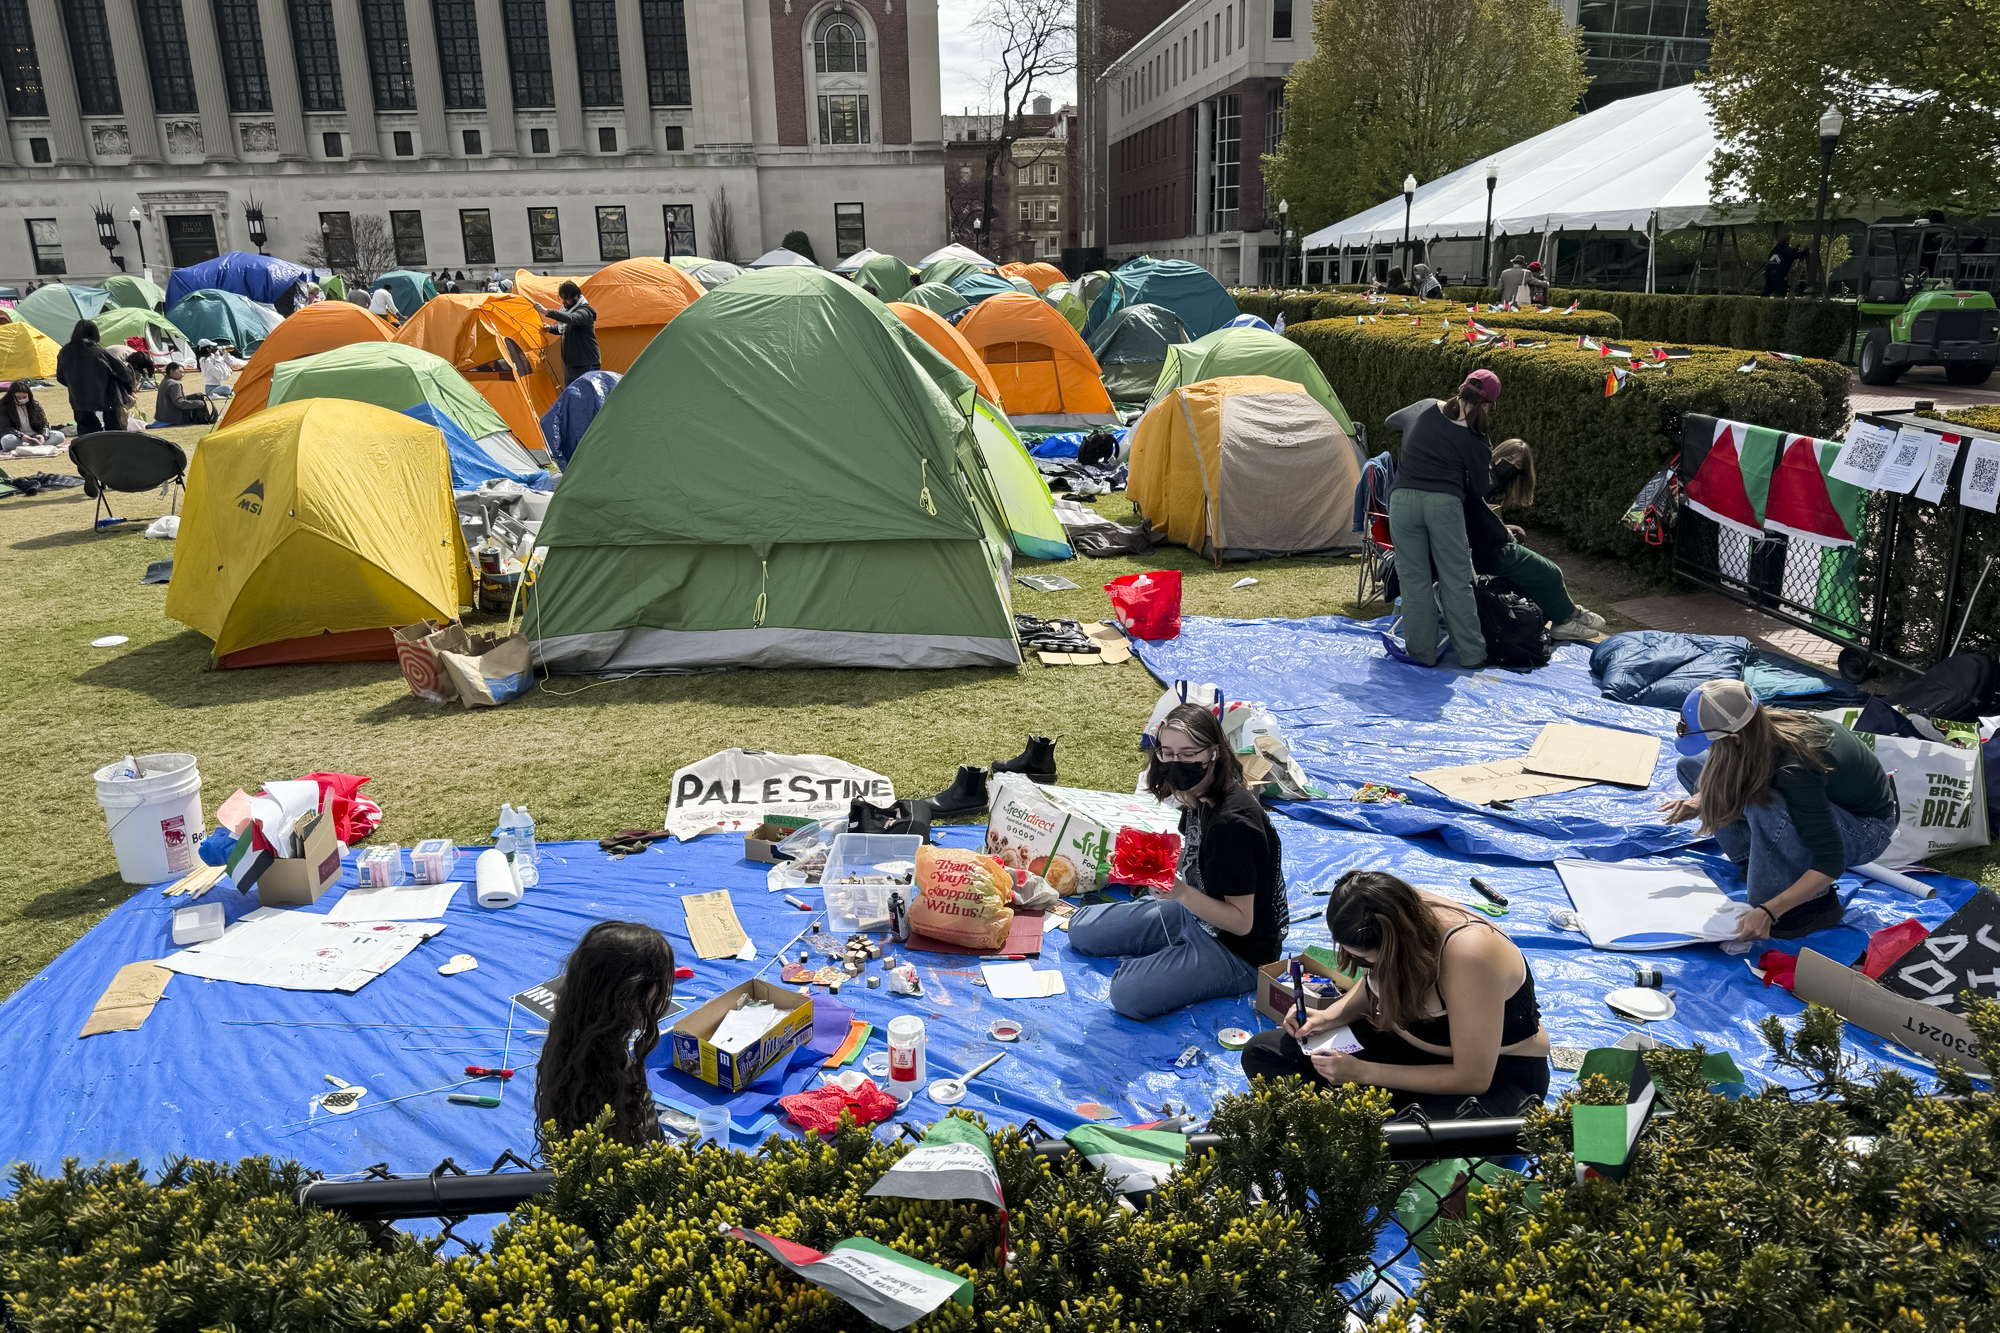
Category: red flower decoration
[1148,859]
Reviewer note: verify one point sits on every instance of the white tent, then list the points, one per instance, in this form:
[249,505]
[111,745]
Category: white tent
[853,263]
[957,252]
[781,258]
[1639,164]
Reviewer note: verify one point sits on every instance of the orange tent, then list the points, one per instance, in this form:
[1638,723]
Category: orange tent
[498,343]
[1046,376]
[934,329]
[537,288]
[635,299]
[319,327]
[1044,276]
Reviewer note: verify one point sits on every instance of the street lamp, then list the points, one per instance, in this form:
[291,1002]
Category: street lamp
[1492,179]
[107,234]
[253,218]
[1830,125]
[1284,243]
[1409,201]
[136,217]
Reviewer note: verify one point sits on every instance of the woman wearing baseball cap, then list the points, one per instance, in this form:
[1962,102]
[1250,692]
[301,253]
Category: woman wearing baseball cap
[1793,799]
[1445,459]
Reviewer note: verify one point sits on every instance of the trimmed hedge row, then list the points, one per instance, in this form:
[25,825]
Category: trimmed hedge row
[1302,306]
[1754,323]
[1592,452]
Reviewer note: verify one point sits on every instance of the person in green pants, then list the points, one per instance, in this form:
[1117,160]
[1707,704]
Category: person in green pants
[1497,549]
[1445,460]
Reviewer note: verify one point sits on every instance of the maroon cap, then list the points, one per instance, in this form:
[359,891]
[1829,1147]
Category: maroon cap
[1484,383]
[1536,265]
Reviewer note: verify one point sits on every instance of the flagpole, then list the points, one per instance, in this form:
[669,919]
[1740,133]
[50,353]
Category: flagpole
[1652,248]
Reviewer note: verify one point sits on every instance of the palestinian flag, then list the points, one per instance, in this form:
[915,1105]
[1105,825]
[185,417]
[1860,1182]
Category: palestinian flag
[250,857]
[1734,477]
[1133,1160]
[1614,380]
[1605,1138]
[1747,366]
[955,1161]
[891,1289]
[1678,353]
[1573,306]
[1586,343]
[1784,356]
[1615,349]
[1806,502]
[1482,330]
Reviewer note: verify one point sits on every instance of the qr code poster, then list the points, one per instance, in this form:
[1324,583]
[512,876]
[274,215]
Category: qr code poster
[1961,955]
[1979,487]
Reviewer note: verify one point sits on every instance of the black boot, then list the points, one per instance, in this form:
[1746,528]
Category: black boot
[902,817]
[965,795]
[1037,762]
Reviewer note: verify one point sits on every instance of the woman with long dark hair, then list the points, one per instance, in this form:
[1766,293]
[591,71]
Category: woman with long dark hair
[1446,459]
[1225,916]
[1446,1013]
[617,986]
[1793,799]
[100,384]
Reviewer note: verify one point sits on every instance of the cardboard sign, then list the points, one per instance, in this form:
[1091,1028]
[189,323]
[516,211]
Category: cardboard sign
[1501,780]
[1929,1031]
[695,1054]
[713,926]
[1595,754]
[128,1000]
[736,790]
[1961,955]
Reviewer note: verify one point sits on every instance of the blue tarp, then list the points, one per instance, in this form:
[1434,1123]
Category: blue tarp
[471,462]
[259,277]
[564,424]
[217,316]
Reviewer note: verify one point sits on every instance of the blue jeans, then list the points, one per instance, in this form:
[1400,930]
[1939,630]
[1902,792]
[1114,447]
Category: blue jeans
[1769,848]
[1170,961]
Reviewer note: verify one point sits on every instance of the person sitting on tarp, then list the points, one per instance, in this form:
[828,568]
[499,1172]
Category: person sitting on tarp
[1446,1013]
[1226,915]
[1446,459]
[1498,551]
[1793,799]
[175,406]
[617,987]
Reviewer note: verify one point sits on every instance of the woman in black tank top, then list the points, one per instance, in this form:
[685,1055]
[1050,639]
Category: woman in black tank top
[1446,1014]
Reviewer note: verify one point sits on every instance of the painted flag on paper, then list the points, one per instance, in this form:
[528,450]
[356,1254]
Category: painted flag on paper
[955,1161]
[1132,1160]
[1605,1138]
[250,857]
[892,1289]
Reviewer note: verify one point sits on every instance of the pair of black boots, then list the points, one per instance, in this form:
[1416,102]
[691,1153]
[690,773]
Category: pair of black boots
[968,793]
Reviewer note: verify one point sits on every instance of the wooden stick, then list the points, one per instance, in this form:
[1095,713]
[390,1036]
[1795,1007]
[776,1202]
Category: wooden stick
[196,882]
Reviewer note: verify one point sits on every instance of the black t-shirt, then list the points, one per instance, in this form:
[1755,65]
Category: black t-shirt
[1230,850]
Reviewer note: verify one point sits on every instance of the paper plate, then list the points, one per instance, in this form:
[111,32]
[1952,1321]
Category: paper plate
[110,641]
[1642,1003]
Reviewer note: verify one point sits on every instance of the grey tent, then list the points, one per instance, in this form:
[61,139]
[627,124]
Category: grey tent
[781,258]
[1131,349]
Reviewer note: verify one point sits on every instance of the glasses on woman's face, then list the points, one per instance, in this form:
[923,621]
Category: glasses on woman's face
[1182,756]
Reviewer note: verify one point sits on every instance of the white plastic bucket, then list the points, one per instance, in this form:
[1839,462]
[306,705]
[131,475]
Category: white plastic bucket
[155,821]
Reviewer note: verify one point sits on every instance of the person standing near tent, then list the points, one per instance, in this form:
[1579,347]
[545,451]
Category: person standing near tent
[25,422]
[1446,1013]
[382,305]
[617,986]
[100,384]
[1795,800]
[577,323]
[1226,915]
[1445,460]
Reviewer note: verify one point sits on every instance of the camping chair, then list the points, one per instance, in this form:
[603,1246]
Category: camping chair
[126,460]
[1371,503]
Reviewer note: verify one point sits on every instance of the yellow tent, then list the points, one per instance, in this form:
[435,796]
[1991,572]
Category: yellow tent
[1245,467]
[315,528]
[26,353]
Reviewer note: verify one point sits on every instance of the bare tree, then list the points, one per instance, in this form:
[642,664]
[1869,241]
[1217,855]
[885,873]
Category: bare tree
[722,226]
[1037,45]
[363,254]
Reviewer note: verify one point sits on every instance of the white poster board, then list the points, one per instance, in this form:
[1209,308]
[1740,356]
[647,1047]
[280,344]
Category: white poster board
[302,951]
[736,790]
[1637,905]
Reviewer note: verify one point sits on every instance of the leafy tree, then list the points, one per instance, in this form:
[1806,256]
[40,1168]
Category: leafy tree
[1416,87]
[799,244]
[1918,82]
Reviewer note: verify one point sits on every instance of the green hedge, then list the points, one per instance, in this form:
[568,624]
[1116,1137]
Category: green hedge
[1753,323]
[1298,307]
[1592,453]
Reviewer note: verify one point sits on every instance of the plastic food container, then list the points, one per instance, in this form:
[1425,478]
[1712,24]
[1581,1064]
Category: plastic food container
[194,925]
[379,867]
[432,861]
[862,870]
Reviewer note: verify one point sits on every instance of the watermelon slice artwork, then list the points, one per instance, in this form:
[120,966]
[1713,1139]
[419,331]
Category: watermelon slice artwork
[1807,503]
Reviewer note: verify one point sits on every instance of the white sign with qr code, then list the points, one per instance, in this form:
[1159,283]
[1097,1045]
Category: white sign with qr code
[1937,474]
[1979,488]
[1862,454]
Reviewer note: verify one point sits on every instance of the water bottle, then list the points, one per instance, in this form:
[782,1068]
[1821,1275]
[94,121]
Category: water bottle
[526,867]
[503,832]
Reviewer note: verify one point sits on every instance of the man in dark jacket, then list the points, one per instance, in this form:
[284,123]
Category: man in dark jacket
[175,406]
[577,322]
[100,384]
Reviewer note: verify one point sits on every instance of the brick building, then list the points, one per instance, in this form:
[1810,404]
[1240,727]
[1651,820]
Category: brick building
[1034,189]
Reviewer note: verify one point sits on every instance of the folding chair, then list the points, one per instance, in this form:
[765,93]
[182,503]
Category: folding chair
[1376,549]
[126,460]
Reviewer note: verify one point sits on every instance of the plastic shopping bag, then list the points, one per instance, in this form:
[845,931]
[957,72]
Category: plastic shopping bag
[1148,606]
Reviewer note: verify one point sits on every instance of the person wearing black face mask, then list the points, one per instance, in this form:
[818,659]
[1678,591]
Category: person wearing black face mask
[1226,916]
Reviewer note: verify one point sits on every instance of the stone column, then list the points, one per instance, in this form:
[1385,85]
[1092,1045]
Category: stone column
[66,142]
[218,132]
[356,82]
[428,74]
[6,138]
[569,87]
[281,68]
[632,73]
[498,75]
[135,89]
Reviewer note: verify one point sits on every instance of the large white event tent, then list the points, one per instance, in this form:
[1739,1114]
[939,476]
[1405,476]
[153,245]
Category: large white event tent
[1639,164]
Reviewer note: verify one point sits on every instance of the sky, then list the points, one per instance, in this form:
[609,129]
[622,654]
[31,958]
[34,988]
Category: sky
[965,60]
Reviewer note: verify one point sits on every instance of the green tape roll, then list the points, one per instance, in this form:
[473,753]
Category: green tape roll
[1233,1039]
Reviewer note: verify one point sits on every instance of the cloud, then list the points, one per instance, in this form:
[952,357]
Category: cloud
[967,60]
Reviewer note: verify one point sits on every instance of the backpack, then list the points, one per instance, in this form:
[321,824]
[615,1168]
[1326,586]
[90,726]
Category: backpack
[1651,513]
[1517,633]
[1958,689]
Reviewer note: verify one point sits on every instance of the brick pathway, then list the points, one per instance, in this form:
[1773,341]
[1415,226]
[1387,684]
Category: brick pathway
[1712,613]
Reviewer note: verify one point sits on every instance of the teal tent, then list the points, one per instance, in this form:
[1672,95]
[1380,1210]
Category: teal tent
[1241,351]
[1131,349]
[56,308]
[213,315]
[408,289]
[937,298]
[976,285]
[948,270]
[786,477]
[1189,290]
[886,276]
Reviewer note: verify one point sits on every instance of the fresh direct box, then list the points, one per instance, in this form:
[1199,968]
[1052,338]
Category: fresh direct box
[1064,834]
[694,1054]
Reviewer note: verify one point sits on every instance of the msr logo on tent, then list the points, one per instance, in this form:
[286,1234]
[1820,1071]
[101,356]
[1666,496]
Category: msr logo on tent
[252,498]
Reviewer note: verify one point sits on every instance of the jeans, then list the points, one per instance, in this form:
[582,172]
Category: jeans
[217,391]
[1773,855]
[1428,529]
[1537,578]
[1170,961]
[9,442]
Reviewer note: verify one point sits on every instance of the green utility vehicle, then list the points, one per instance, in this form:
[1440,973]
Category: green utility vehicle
[1926,300]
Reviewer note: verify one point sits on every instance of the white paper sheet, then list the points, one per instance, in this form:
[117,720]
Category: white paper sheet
[302,951]
[280,807]
[1905,461]
[397,902]
[1944,453]
[1979,486]
[1637,905]
[1020,981]
[740,1027]
[1333,1039]
[1862,454]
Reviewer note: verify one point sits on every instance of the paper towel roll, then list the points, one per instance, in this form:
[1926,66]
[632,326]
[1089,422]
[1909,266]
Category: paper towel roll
[1916,888]
[494,880]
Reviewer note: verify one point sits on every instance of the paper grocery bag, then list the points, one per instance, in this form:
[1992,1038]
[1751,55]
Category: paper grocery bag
[489,670]
[417,654]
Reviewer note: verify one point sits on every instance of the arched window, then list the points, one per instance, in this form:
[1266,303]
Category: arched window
[840,46]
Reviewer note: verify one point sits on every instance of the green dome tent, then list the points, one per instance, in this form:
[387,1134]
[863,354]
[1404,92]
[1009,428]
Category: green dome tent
[216,316]
[56,308]
[710,273]
[1250,352]
[1189,290]
[117,323]
[936,298]
[1131,349]
[134,292]
[948,271]
[719,520]
[1064,298]
[409,290]
[886,276]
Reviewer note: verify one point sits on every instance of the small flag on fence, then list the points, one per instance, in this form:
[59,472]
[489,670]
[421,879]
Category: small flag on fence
[1605,1138]
[955,1161]
[892,1289]
[1132,1160]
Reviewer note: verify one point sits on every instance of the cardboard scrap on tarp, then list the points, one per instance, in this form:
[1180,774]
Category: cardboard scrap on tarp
[1501,780]
[1113,648]
[713,926]
[1594,754]
[1961,955]
[128,1000]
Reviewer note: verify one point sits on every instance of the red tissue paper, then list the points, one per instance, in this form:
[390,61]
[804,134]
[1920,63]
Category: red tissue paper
[354,815]
[1142,858]
[1778,967]
[1889,944]
[820,1108]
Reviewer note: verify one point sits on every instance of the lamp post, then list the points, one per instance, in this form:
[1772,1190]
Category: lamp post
[107,235]
[253,219]
[1409,201]
[138,234]
[978,225]
[1284,243]
[1830,125]
[1486,266]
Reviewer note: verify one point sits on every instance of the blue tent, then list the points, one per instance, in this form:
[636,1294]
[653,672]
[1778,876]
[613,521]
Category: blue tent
[259,277]
[975,285]
[213,315]
[409,289]
[1248,322]
[1189,290]
[471,462]
[564,424]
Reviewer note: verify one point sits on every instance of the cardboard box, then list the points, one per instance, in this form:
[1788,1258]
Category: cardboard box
[298,881]
[1064,834]
[1933,1033]
[1274,998]
[733,1073]
[761,843]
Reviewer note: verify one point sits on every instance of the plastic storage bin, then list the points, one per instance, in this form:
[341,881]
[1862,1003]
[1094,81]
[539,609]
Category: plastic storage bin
[194,925]
[379,867]
[433,861]
[862,870]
